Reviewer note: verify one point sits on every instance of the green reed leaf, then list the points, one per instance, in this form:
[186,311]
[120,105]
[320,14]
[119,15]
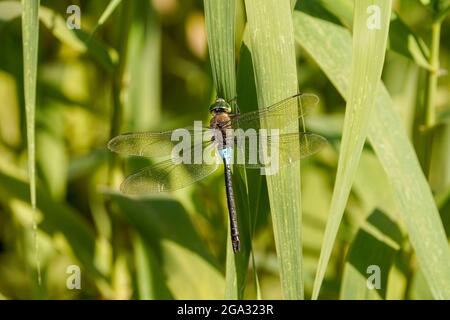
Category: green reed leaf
[109,10]
[369,46]
[220,26]
[30,41]
[273,53]
[329,45]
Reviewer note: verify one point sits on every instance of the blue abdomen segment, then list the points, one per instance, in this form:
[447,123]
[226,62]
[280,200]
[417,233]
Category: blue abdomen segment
[226,154]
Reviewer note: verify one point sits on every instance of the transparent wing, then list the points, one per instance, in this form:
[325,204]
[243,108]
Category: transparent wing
[283,149]
[302,102]
[169,176]
[156,144]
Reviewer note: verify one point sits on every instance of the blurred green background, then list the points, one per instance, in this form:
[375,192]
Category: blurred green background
[147,68]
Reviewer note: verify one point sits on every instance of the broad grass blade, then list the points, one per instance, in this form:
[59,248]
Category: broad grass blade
[273,53]
[30,41]
[220,26]
[369,46]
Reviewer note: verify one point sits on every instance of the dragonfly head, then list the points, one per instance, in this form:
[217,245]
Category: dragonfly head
[220,106]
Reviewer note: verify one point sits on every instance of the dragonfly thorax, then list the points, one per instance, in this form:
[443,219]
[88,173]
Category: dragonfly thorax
[220,120]
[221,123]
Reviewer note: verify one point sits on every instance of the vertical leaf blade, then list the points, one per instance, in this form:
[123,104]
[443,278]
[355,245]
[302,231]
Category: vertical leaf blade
[30,40]
[272,45]
[369,46]
[220,26]
[142,108]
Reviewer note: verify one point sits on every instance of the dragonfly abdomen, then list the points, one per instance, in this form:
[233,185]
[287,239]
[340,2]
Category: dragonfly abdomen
[231,208]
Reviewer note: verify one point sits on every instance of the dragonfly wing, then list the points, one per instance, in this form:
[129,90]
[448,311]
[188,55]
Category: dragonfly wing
[284,149]
[169,175]
[156,144]
[303,103]
[166,176]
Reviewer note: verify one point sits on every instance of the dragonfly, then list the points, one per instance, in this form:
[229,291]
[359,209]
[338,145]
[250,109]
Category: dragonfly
[220,140]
